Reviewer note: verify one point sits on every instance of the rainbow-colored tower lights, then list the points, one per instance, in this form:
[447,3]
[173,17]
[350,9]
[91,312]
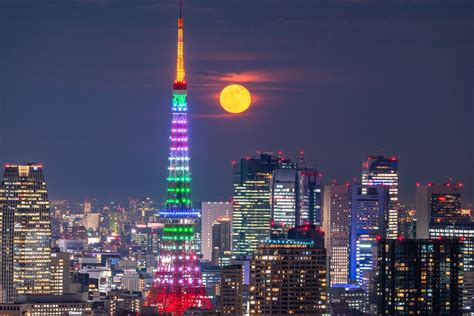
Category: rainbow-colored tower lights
[178,285]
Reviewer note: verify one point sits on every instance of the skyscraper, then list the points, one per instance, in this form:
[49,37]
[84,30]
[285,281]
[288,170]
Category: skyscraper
[384,171]
[336,226]
[310,197]
[439,215]
[368,209]
[251,202]
[178,285]
[25,238]
[438,204]
[288,277]
[221,241]
[285,204]
[419,277]
[211,211]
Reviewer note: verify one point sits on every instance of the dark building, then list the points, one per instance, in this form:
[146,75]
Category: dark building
[221,242]
[231,292]
[419,277]
[308,233]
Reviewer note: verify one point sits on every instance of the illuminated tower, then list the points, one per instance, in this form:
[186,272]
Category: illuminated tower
[178,285]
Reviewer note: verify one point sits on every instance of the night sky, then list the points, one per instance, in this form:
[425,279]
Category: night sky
[85,89]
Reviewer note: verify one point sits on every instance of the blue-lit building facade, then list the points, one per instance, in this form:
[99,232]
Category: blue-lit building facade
[368,212]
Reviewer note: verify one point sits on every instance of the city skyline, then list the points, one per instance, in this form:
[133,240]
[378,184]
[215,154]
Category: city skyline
[97,88]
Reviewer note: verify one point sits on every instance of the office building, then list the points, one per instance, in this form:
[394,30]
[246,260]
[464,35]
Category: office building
[47,305]
[251,212]
[384,171]
[288,277]
[211,212]
[369,208]
[336,226]
[284,201]
[25,238]
[221,242]
[310,197]
[231,291]
[438,204]
[60,273]
[419,277]
[464,233]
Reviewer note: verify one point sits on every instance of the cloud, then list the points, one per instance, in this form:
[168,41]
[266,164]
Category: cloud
[270,77]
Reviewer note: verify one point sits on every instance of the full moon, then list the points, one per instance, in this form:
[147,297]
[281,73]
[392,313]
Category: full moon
[235,98]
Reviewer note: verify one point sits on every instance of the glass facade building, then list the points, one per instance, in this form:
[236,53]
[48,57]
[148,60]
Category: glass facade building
[419,277]
[369,207]
[384,171]
[251,212]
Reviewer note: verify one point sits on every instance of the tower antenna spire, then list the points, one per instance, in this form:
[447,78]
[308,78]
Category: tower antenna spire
[180,82]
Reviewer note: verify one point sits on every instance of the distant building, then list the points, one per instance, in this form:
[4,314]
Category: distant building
[211,212]
[285,201]
[336,226]
[221,242]
[310,197]
[292,274]
[60,273]
[419,277]
[25,238]
[87,208]
[464,233]
[380,170]
[231,292]
[251,212]
[47,305]
[438,204]
[369,208]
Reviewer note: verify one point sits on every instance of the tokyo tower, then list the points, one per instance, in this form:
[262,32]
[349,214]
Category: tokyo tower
[178,285]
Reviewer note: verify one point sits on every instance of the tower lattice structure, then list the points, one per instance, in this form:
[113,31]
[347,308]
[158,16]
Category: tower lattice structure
[178,285]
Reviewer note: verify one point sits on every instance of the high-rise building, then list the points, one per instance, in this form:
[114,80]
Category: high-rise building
[464,233]
[310,197]
[439,215]
[438,204]
[288,277]
[384,171]
[221,242]
[284,201]
[211,212]
[25,238]
[231,291]
[369,209]
[422,277]
[60,273]
[251,212]
[296,198]
[178,285]
[336,226]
